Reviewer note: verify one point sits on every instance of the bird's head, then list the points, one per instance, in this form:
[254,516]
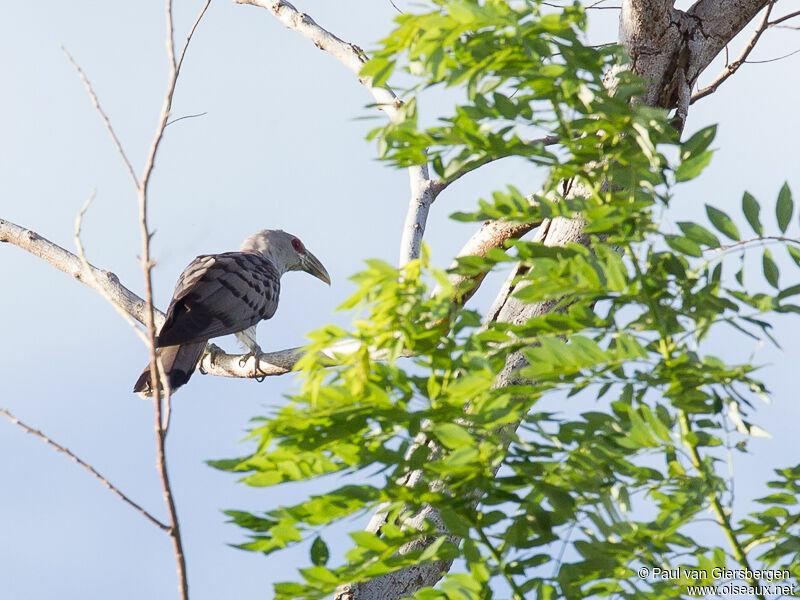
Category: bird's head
[286,252]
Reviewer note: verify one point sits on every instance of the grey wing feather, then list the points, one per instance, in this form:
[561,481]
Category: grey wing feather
[220,294]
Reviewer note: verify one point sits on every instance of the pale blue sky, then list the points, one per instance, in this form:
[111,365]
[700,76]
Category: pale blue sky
[278,147]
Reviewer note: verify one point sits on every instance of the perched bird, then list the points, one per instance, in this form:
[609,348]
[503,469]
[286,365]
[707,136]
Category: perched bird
[218,294]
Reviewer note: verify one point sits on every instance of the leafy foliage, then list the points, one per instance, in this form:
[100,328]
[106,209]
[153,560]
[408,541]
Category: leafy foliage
[538,496]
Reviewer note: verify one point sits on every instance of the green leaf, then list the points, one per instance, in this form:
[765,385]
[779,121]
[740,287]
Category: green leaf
[722,222]
[379,69]
[698,233]
[319,552]
[750,208]
[699,141]
[454,436]
[784,208]
[683,245]
[506,107]
[692,167]
[367,539]
[770,269]
[794,253]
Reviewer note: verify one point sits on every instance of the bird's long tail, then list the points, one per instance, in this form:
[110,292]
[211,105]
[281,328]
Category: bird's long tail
[179,363]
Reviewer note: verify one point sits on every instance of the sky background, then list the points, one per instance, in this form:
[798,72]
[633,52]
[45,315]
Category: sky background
[281,146]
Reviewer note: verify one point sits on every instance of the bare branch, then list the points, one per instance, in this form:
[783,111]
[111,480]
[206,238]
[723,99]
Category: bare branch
[115,490]
[191,33]
[422,197]
[103,116]
[731,68]
[162,411]
[90,270]
[492,234]
[104,282]
[353,57]
[202,114]
[780,20]
[769,60]
[761,238]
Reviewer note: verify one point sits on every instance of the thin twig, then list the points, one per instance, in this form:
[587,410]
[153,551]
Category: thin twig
[88,269]
[783,18]
[769,60]
[147,266]
[191,33]
[734,66]
[186,117]
[761,238]
[161,404]
[103,116]
[115,490]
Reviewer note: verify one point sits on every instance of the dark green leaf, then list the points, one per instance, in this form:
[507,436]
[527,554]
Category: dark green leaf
[698,233]
[722,222]
[770,269]
[751,209]
[794,253]
[683,245]
[784,208]
[699,141]
[319,552]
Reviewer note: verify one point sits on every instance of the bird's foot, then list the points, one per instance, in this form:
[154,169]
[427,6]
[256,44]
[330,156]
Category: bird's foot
[258,374]
[213,351]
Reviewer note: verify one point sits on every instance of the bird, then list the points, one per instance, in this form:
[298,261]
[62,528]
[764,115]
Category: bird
[220,294]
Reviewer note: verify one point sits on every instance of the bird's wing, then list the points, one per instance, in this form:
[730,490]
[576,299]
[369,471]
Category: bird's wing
[218,294]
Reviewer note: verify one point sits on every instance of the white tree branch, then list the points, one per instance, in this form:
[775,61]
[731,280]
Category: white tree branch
[104,282]
[353,57]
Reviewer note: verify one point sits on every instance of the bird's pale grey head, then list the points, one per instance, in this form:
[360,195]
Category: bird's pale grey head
[286,252]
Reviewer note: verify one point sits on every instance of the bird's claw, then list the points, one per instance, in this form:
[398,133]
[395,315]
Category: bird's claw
[212,352]
[258,374]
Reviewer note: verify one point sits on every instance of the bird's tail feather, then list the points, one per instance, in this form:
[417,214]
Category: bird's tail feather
[179,363]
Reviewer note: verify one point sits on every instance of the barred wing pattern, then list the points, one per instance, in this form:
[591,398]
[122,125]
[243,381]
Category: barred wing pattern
[216,294]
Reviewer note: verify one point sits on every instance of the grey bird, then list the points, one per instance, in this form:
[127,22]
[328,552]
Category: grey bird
[219,294]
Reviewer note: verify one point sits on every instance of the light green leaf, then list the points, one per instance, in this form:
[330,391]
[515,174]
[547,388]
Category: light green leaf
[454,436]
[692,167]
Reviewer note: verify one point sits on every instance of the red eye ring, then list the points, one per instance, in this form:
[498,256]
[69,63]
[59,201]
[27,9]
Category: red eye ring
[298,246]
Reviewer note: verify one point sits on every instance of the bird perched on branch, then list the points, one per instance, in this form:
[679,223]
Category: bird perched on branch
[219,294]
